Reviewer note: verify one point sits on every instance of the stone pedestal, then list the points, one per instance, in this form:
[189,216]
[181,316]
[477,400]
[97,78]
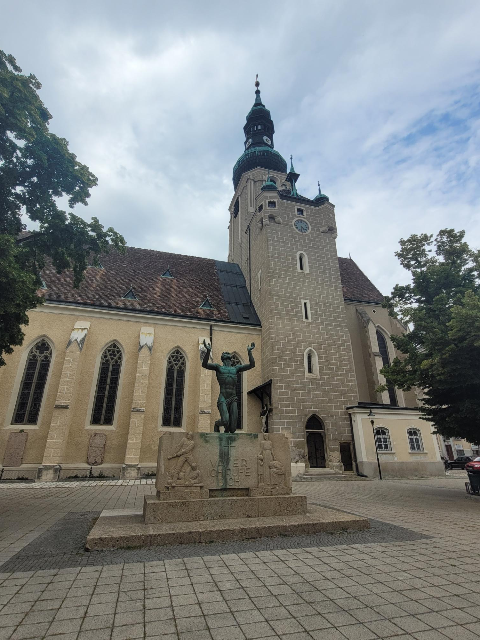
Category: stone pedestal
[219,486]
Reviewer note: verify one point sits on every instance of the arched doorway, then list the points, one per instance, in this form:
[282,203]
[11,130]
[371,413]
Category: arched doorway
[315,442]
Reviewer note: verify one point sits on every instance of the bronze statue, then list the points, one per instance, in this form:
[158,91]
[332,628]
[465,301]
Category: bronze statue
[227,379]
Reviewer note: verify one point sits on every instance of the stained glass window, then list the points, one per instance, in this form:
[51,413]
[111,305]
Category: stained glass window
[382,439]
[107,385]
[239,389]
[174,389]
[382,347]
[33,384]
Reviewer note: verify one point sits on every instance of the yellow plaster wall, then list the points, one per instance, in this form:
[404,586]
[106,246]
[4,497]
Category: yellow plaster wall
[58,325]
[398,436]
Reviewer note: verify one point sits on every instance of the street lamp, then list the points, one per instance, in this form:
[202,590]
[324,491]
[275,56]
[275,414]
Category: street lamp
[372,422]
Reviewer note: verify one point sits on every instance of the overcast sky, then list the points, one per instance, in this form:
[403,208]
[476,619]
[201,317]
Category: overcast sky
[377,100]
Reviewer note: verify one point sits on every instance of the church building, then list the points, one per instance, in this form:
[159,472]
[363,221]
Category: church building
[107,368]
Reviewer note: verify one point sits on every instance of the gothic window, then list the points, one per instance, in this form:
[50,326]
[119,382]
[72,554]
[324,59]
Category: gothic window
[174,389]
[272,204]
[236,208]
[306,310]
[33,383]
[382,347]
[382,439]
[107,385]
[415,441]
[311,362]
[239,389]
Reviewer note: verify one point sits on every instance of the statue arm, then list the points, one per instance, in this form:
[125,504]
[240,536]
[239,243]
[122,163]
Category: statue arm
[205,362]
[251,360]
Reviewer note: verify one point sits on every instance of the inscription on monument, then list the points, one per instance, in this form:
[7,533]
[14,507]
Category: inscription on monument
[13,456]
[96,449]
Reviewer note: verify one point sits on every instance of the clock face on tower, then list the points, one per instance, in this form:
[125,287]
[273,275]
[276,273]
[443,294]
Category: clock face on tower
[301,226]
[267,140]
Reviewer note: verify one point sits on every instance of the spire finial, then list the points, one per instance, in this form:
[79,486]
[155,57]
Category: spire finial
[319,189]
[291,164]
[257,83]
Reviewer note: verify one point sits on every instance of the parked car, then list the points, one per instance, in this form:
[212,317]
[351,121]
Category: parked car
[458,463]
[473,466]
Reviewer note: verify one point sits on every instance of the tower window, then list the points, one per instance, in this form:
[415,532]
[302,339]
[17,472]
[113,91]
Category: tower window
[260,208]
[311,363]
[107,385]
[174,389]
[306,310]
[236,208]
[302,262]
[33,383]
[300,212]
[272,204]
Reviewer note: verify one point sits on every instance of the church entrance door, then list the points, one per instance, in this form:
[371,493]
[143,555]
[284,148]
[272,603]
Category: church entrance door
[316,450]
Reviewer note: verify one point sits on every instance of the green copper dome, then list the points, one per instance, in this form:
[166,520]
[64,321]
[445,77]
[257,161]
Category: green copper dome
[254,157]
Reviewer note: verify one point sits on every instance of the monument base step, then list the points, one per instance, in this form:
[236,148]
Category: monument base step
[117,530]
[155,510]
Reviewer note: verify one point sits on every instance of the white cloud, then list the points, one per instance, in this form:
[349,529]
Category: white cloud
[153,98]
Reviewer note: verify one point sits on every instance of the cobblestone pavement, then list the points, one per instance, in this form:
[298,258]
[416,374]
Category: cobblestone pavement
[423,584]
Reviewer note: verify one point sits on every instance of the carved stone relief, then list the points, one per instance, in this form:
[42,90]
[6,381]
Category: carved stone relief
[96,449]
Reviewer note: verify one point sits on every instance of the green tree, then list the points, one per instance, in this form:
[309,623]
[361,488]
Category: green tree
[36,169]
[441,351]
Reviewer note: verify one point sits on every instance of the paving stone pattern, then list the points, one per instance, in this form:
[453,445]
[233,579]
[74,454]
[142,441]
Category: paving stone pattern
[426,589]
[63,545]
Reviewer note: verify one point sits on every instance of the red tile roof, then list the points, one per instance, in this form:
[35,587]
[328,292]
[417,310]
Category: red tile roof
[355,284]
[194,280]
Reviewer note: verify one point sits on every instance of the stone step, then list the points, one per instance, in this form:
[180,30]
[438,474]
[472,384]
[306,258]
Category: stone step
[322,477]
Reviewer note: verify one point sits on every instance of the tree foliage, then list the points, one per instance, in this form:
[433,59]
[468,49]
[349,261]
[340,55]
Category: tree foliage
[442,349]
[36,169]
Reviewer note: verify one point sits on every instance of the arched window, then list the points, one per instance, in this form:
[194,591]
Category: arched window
[174,389]
[314,424]
[310,360]
[302,262]
[415,441]
[382,347]
[33,383]
[382,439]
[107,385]
[239,389]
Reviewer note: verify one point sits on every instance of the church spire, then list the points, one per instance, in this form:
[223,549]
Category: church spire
[259,147]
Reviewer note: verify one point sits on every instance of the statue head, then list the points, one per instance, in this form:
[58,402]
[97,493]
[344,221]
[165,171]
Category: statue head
[226,358]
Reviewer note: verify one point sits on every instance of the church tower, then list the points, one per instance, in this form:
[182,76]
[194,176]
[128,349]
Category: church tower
[285,245]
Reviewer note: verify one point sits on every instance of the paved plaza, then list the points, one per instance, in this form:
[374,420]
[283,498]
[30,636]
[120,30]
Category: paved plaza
[415,574]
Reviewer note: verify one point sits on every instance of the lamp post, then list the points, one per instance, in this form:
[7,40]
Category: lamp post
[372,422]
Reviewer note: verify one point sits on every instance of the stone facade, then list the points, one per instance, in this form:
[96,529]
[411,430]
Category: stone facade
[266,244]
